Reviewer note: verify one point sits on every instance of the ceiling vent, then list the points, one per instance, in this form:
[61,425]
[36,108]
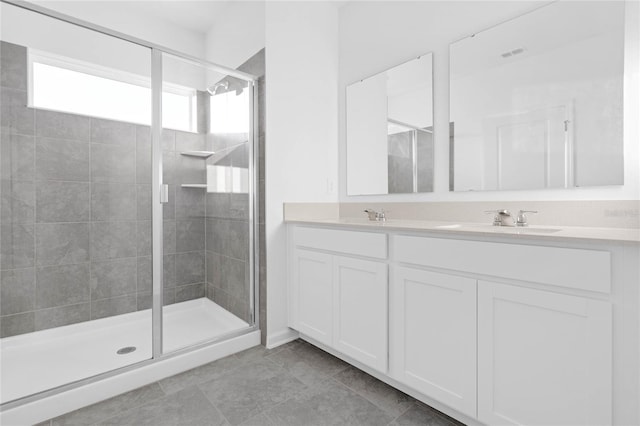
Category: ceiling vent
[513,52]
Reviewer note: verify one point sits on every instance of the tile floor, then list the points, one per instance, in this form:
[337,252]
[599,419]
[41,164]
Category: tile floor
[294,384]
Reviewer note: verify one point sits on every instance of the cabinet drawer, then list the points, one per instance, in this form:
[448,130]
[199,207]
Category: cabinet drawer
[367,244]
[572,268]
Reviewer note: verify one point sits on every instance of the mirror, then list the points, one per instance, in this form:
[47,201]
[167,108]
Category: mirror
[536,102]
[390,130]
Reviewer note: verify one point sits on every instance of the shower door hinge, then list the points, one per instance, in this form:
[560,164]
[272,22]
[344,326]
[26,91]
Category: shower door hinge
[164,194]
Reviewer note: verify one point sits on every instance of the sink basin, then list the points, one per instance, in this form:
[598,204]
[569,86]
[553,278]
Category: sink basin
[452,226]
[537,230]
[353,220]
[523,230]
[360,220]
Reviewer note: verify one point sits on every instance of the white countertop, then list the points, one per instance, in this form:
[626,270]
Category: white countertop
[455,228]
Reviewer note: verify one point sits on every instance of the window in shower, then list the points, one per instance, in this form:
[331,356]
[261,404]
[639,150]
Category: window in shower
[229,112]
[70,85]
[229,130]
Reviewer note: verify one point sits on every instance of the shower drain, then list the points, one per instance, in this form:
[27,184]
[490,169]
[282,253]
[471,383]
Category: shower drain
[126,350]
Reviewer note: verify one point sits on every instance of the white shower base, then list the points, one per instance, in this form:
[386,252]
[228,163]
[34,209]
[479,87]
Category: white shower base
[42,360]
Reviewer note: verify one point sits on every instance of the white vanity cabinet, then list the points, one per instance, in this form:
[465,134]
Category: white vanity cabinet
[434,335]
[339,299]
[493,332]
[543,357]
[314,303]
[360,310]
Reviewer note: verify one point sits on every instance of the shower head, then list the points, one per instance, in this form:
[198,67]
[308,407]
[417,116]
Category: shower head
[214,89]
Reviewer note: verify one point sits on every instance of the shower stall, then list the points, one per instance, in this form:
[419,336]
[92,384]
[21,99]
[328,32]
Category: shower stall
[128,204]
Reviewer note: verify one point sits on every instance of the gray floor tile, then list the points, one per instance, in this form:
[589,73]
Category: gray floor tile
[111,407]
[381,394]
[259,387]
[423,415]
[308,373]
[260,420]
[246,392]
[330,403]
[187,407]
[199,375]
[308,361]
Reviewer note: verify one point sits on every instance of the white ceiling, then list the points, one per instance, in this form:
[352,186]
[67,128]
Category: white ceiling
[194,15]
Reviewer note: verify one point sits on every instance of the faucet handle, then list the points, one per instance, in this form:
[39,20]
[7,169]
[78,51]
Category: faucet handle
[372,214]
[500,212]
[501,217]
[521,220]
[376,216]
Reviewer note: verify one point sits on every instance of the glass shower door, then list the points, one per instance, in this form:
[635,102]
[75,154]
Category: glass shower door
[75,235]
[207,222]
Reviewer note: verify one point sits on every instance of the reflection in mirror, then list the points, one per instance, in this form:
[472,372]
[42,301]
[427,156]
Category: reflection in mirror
[390,131]
[536,102]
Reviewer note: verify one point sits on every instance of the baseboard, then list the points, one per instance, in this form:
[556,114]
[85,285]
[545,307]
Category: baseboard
[281,337]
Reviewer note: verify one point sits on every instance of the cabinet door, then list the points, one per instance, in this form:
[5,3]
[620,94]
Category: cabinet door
[360,301]
[312,278]
[543,358]
[434,336]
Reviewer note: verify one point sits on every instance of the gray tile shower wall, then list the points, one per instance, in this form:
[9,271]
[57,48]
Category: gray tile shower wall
[400,162]
[184,219]
[75,216]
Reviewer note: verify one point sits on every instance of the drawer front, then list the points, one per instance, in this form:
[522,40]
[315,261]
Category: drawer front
[573,268]
[367,244]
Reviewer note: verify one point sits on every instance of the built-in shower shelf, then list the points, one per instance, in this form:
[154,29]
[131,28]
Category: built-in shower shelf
[201,154]
[194,185]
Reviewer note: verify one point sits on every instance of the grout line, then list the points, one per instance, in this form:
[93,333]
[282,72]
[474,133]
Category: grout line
[35,220]
[121,412]
[404,412]
[91,226]
[206,397]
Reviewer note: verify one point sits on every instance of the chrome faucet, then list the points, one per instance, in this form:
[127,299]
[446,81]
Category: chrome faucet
[521,220]
[502,217]
[376,216]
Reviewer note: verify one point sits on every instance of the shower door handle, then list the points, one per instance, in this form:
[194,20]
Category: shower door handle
[164,194]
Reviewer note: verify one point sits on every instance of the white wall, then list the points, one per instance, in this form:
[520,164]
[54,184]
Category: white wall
[301,124]
[70,41]
[117,16]
[375,36]
[236,34]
